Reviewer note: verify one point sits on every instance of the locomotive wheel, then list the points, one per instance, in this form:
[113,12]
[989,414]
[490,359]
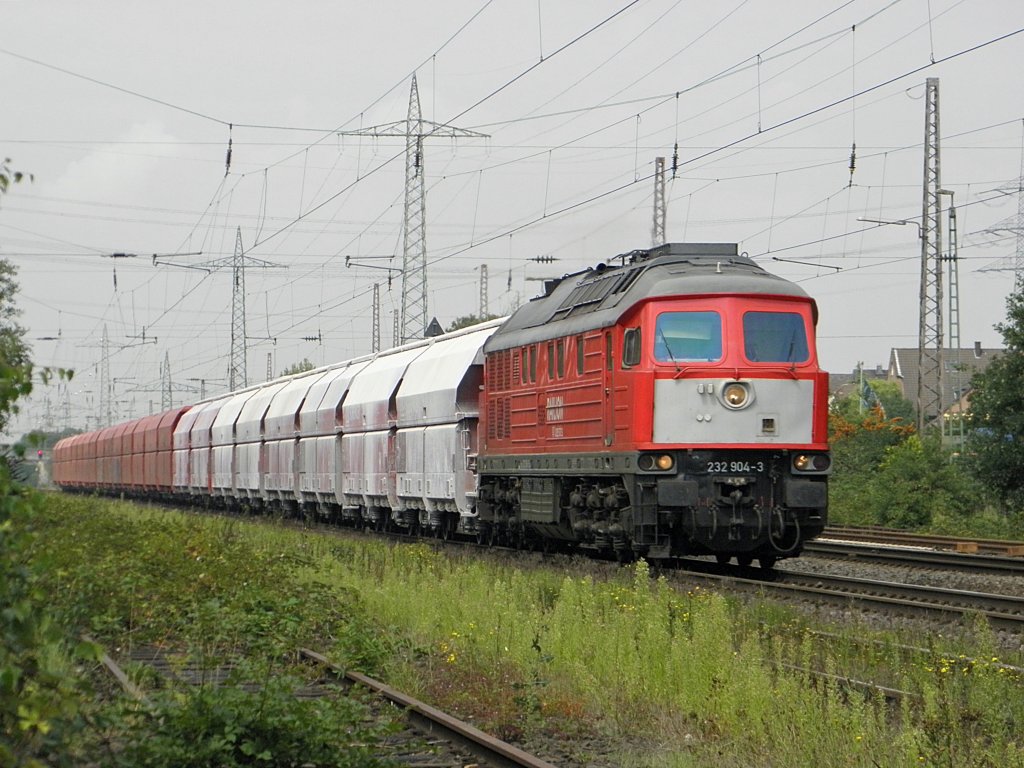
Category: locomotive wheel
[722,558]
[744,561]
[767,562]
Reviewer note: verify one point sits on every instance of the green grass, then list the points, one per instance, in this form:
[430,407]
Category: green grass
[697,679]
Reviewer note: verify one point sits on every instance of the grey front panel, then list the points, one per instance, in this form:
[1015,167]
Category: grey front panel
[690,411]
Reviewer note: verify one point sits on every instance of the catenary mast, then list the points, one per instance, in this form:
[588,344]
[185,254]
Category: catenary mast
[929,352]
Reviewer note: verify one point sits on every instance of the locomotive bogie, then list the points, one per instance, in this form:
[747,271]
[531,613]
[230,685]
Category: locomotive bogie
[702,502]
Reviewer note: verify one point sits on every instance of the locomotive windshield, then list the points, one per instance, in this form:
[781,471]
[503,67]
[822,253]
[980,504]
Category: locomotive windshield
[688,337]
[774,337]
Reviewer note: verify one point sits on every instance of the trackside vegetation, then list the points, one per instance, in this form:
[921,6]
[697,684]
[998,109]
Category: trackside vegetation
[677,676]
[885,473]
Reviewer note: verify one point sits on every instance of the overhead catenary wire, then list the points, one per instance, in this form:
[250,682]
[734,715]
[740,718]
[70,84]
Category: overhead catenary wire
[735,142]
[481,227]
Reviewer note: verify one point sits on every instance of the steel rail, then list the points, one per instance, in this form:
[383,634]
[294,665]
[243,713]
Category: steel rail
[942,597]
[1002,611]
[909,538]
[422,716]
[434,721]
[921,557]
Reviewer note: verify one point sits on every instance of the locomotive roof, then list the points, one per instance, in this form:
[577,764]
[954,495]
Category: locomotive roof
[597,297]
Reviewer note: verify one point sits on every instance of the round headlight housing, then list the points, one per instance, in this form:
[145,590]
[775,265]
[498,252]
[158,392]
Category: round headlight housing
[736,394]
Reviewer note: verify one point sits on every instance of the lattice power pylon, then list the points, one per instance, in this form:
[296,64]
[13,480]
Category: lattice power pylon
[238,377]
[375,340]
[953,428]
[1014,225]
[413,320]
[1018,260]
[485,305]
[929,352]
[166,396]
[106,383]
[658,229]
[238,369]
[414,261]
[238,261]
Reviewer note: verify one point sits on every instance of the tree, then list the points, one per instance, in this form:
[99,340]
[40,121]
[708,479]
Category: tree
[916,484]
[15,367]
[39,702]
[995,438]
[305,365]
[859,443]
[888,394]
[9,176]
[467,320]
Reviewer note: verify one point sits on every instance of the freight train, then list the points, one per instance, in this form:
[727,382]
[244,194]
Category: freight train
[667,405]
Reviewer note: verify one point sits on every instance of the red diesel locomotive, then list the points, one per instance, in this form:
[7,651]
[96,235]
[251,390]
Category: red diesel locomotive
[670,405]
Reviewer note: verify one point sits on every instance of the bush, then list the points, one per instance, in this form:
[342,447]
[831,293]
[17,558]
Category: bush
[858,450]
[41,694]
[918,483]
[226,726]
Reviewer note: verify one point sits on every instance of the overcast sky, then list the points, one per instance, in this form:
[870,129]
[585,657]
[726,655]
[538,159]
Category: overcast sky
[124,112]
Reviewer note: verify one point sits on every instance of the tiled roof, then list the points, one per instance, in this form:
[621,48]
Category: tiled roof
[958,367]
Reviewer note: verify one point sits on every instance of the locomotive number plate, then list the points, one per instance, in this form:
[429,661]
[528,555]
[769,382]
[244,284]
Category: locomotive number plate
[720,467]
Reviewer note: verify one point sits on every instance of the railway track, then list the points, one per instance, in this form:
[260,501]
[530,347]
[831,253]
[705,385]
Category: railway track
[907,555]
[434,739]
[434,722]
[1004,612]
[888,536]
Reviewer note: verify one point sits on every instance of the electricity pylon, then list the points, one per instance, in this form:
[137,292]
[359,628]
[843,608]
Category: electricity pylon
[929,349]
[238,261]
[658,229]
[413,319]
[106,385]
[375,336]
[485,308]
[1013,225]
[166,396]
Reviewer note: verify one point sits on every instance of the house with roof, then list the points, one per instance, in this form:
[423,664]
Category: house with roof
[959,365]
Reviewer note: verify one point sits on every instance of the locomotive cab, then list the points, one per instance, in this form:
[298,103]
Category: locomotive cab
[737,454]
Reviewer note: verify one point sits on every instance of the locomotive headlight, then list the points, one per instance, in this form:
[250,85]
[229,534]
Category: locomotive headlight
[652,462]
[736,395]
[811,462]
